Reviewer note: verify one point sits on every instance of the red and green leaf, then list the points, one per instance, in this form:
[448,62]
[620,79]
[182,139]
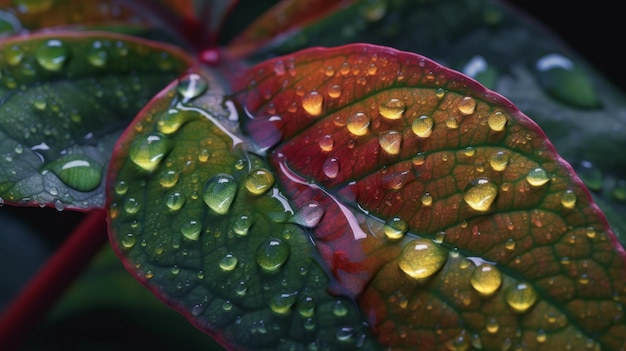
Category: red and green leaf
[66,97]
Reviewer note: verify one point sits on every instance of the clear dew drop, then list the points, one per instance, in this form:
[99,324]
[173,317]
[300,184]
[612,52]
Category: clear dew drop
[568,199]
[219,193]
[392,109]
[242,224]
[358,124]
[331,167]
[52,54]
[170,121]
[306,306]
[309,215]
[480,194]
[492,326]
[520,297]
[426,199]
[312,103]
[422,126]
[334,91]
[78,172]
[390,141]
[421,258]
[147,151]
[271,254]
[169,178]
[497,121]
[175,201]
[340,309]
[132,205]
[499,161]
[97,54]
[129,241]
[452,123]
[120,187]
[345,334]
[228,262]
[395,228]
[486,279]
[259,180]
[326,143]
[537,177]
[191,85]
[191,229]
[282,303]
[467,105]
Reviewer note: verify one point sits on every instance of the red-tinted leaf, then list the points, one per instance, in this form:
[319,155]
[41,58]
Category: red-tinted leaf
[455,223]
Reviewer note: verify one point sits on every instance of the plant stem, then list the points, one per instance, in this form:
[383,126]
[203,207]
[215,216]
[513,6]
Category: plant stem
[48,284]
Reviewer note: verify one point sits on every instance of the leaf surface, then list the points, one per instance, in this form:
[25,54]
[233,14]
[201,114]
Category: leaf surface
[65,98]
[450,217]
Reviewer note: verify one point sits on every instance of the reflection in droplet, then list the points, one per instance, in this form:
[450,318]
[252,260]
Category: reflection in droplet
[191,85]
[326,143]
[312,103]
[422,126]
[358,123]
[480,194]
[390,141]
[568,199]
[259,180]
[499,161]
[421,258]
[228,262]
[395,228]
[486,279]
[309,215]
[392,109]
[219,193]
[191,229]
[537,177]
[520,297]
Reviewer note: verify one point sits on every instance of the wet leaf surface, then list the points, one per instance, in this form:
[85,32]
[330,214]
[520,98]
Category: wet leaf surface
[66,97]
[455,223]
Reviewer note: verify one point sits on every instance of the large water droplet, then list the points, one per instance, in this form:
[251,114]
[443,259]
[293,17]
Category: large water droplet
[272,254]
[421,258]
[259,180]
[392,109]
[52,54]
[497,121]
[422,126]
[480,194]
[358,124]
[537,177]
[191,229]
[390,141]
[78,172]
[309,215]
[520,297]
[147,151]
[191,85]
[486,279]
[219,193]
[312,103]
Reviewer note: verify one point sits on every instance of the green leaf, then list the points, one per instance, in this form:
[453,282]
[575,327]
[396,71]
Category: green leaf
[65,98]
[197,217]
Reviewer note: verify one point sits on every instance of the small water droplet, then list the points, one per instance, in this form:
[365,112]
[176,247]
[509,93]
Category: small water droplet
[520,297]
[306,306]
[312,103]
[480,194]
[395,228]
[499,161]
[52,54]
[281,304]
[175,201]
[392,109]
[97,54]
[259,180]
[421,258]
[169,178]
[334,91]
[486,279]
[426,199]
[147,151]
[537,177]
[326,143]
[128,241]
[271,254]
[132,205]
[340,309]
[219,193]
[390,141]
[279,68]
[345,334]
[467,105]
[510,244]
[331,167]
[242,224]
[497,121]
[541,336]
[329,71]
[568,199]
[452,123]
[492,326]
[40,103]
[358,124]
[170,121]
[191,85]
[191,229]
[422,126]
[120,187]
[309,215]
[228,262]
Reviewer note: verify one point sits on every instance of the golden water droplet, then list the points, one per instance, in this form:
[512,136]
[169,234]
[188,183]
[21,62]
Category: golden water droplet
[460,343]
[497,121]
[392,109]
[390,141]
[421,258]
[259,181]
[492,326]
[418,159]
[334,91]
[480,194]
[395,228]
[427,199]
[467,105]
[452,123]
[422,126]
[312,103]
[486,279]
[358,124]
[541,336]
[510,244]
[326,143]
[469,151]
[520,297]
[499,161]
[568,199]
[537,177]
[590,232]
[440,93]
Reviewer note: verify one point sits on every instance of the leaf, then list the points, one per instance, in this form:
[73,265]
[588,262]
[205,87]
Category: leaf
[65,98]
[198,219]
[455,223]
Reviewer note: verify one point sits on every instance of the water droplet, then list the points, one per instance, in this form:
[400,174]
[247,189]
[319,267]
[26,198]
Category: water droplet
[422,126]
[395,228]
[497,121]
[426,199]
[52,54]
[326,143]
[228,262]
[175,201]
[499,161]
[421,258]
[452,123]
[272,254]
[78,172]
[331,167]
[390,141]
[541,336]
[170,121]
[418,159]
[467,105]
[259,180]
[392,109]
[486,279]
[242,224]
[279,68]
[590,232]
[148,151]
[312,103]
[568,199]
[306,307]
[169,178]
[537,177]
[358,124]
[128,241]
[520,297]
[460,343]
[40,103]
[281,304]
[191,229]
[334,91]
[480,194]
[120,187]
[340,309]
[219,193]
[132,205]
[97,54]
[510,244]
[191,85]
[492,326]
[345,334]
[309,215]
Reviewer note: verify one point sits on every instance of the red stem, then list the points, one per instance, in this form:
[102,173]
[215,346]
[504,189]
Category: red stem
[48,284]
